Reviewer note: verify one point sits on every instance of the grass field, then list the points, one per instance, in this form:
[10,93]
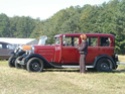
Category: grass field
[58,81]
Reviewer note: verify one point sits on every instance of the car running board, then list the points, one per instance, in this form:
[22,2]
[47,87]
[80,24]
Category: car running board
[75,66]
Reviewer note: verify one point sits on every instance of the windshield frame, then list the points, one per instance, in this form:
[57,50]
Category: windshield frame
[42,40]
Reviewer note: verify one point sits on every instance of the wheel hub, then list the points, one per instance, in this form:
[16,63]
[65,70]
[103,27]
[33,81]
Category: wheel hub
[105,66]
[35,66]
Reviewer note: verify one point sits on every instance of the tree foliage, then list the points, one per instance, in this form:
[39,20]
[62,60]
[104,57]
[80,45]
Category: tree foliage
[104,18]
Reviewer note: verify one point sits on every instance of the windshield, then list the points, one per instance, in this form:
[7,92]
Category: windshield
[42,40]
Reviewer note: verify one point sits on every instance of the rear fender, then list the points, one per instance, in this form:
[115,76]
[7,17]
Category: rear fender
[104,56]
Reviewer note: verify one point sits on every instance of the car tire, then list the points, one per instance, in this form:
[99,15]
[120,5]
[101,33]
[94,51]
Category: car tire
[91,69]
[35,65]
[11,61]
[18,66]
[104,65]
[23,67]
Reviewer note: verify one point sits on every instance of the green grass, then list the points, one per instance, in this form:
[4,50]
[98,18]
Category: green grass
[121,58]
[57,81]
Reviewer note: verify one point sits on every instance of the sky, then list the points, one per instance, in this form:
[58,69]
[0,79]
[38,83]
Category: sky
[42,9]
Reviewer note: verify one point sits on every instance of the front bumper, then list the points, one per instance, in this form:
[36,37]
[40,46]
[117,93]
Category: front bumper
[116,59]
[118,63]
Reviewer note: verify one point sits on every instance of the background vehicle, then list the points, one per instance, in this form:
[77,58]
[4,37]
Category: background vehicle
[5,50]
[21,50]
[64,53]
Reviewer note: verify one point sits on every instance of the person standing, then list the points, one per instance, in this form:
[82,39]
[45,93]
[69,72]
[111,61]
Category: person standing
[83,50]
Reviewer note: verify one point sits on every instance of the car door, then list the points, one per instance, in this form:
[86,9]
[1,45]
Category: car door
[93,49]
[70,53]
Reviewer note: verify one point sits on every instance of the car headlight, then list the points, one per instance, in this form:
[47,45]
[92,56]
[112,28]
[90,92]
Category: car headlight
[27,52]
[32,49]
[16,49]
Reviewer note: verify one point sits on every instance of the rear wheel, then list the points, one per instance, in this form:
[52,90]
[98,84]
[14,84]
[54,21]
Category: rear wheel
[35,65]
[104,65]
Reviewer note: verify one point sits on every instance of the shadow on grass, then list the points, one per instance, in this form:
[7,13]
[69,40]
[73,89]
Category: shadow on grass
[67,70]
[119,71]
[77,70]
[60,70]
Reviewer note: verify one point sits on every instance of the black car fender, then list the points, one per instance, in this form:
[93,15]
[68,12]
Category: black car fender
[46,63]
[21,53]
[104,56]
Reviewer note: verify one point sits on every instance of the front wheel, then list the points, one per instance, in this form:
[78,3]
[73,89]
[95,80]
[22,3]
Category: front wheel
[104,65]
[11,61]
[18,66]
[35,65]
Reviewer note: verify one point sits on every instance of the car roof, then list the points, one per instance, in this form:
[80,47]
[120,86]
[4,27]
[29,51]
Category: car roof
[88,34]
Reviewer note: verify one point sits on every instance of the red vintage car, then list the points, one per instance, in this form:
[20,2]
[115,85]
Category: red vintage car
[64,53]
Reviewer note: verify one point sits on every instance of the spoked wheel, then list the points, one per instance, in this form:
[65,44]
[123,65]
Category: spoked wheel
[35,65]
[104,65]
[18,66]
[11,61]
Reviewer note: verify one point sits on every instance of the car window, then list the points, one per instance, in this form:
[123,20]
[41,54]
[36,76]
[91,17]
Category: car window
[1,46]
[10,46]
[57,40]
[92,41]
[104,41]
[67,41]
[70,41]
[76,41]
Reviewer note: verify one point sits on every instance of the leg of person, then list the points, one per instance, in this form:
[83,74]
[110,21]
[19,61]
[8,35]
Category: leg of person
[82,63]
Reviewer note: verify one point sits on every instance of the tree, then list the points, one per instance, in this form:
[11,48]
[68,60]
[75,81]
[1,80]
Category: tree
[4,26]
